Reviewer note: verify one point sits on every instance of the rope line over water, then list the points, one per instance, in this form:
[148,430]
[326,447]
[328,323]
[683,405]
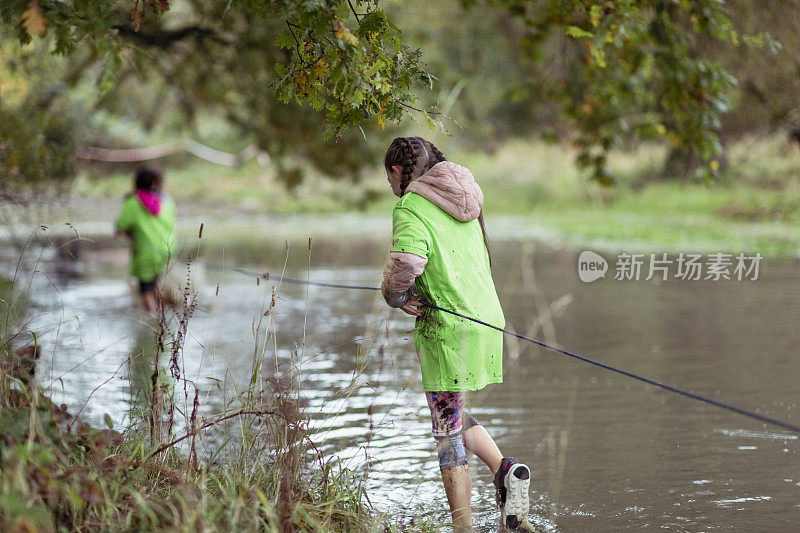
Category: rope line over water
[268,276]
[670,388]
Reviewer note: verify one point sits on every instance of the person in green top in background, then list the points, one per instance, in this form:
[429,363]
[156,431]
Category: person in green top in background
[147,217]
[440,254]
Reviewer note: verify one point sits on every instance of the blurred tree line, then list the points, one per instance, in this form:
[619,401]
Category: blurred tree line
[601,75]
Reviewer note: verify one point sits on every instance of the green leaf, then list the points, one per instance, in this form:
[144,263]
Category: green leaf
[578,33]
[284,40]
[595,14]
[372,22]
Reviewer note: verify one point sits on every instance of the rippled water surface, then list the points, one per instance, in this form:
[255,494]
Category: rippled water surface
[607,452]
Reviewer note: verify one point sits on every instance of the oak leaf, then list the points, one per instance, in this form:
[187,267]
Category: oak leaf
[33,19]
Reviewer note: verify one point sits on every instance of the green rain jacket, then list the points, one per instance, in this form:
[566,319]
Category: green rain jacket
[150,228]
[436,220]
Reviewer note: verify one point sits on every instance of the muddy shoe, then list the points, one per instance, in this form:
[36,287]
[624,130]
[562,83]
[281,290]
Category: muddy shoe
[512,481]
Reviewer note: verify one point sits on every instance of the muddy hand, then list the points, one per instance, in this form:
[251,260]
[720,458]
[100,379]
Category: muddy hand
[412,306]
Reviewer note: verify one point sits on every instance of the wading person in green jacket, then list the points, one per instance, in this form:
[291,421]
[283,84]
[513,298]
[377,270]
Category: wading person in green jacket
[147,217]
[440,254]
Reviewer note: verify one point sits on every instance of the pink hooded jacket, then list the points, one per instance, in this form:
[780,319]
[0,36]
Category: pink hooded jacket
[452,188]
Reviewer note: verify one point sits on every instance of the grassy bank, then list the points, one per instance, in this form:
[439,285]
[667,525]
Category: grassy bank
[753,205]
[55,479]
[258,468]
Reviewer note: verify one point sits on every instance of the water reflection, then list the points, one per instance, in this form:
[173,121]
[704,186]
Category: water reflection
[150,381]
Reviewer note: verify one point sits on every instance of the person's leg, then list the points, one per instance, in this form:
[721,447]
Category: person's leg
[446,408]
[148,292]
[149,302]
[458,487]
[478,441]
[511,478]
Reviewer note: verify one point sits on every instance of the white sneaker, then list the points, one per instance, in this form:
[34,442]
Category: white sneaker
[513,497]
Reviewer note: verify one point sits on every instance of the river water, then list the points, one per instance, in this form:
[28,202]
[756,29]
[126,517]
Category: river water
[607,453]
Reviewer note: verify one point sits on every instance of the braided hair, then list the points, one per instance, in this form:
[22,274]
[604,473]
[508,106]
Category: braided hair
[414,155]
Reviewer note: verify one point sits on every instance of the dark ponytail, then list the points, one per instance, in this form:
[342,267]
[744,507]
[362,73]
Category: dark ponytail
[485,237]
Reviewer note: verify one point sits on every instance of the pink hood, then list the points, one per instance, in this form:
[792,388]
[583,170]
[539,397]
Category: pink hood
[451,187]
[150,200]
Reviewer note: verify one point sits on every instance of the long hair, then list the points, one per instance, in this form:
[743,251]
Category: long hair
[415,156]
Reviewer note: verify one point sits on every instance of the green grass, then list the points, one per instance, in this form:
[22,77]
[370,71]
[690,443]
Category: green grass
[753,205]
[680,217]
